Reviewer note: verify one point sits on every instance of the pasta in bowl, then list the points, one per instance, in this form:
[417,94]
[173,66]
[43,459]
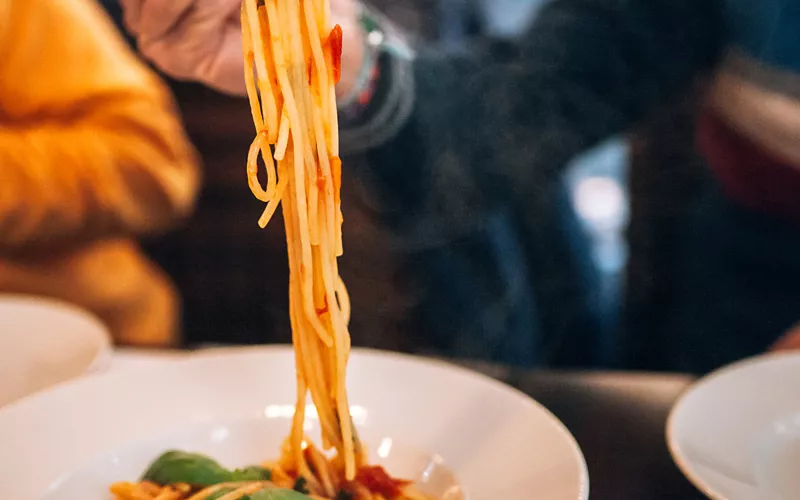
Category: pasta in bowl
[227,461]
[451,431]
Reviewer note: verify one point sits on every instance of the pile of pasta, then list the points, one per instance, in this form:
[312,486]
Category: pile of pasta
[278,480]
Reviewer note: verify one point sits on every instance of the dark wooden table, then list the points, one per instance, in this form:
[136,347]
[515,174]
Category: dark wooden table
[619,421]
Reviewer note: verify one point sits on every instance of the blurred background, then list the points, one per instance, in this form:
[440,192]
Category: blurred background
[536,208]
[578,325]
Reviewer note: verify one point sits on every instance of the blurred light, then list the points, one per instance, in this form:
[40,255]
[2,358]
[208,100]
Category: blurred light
[600,200]
[357,413]
[375,38]
[436,461]
[509,18]
[385,447]
[220,434]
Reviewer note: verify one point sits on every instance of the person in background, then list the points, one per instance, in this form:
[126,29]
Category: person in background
[92,156]
[587,70]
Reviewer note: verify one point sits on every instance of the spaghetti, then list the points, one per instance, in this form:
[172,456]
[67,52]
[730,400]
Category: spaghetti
[292,64]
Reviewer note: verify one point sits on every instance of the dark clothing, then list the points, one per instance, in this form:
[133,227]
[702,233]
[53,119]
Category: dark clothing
[740,285]
[492,132]
[585,71]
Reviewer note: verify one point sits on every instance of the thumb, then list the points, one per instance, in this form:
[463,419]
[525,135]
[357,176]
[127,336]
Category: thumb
[225,69]
[157,17]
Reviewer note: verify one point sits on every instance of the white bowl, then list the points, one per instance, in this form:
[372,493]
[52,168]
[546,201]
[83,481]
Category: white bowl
[44,342]
[736,433]
[451,430]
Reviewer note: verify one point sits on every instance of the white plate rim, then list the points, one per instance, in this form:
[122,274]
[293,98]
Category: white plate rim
[674,447]
[100,332]
[223,352]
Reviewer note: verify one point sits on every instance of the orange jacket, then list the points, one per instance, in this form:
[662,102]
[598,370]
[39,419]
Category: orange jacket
[91,155]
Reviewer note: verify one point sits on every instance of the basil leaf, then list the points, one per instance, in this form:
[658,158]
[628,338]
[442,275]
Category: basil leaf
[278,494]
[180,467]
[252,473]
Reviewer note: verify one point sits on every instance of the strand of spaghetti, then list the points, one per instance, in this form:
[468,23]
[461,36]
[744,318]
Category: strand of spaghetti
[252,168]
[318,58]
[322,12]
[249,72]
[330,318]
[320,301]
[272,91]
[243,490]
[332,133]
[319,109]
[329,269]
[329,190]
[342,339]
[258,120]
[324,7]
[336,178]
[309,75]
[343,298]
[333,57]
[255,32]
[299,184]
[339,217]
[207,492]
[283,136]
[326,213]
[272,206]
[301,86]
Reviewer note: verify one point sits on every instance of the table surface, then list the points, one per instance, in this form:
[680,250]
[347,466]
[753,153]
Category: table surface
[619,420]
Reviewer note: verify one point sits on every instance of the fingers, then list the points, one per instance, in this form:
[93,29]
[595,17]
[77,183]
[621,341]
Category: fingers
[131,13]
[157,17]
[225,71]
[232,8]
[215,58]
[342,9]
